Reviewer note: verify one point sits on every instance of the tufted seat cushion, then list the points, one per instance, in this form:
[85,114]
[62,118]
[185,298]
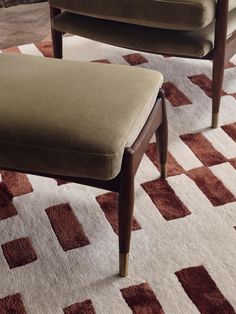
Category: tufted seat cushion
[71,118]
[167,14]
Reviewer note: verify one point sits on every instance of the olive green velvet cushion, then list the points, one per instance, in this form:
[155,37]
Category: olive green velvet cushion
[168,14]
[177,43]
[71,118]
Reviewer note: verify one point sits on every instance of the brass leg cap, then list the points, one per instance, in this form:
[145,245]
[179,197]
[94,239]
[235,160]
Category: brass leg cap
[164,170]
[215,120]
[124,263]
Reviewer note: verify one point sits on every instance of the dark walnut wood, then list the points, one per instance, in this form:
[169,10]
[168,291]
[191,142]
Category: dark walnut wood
[56,35]
[219,57]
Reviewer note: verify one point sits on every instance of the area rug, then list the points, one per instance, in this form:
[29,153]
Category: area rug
[9,3]
[59,248]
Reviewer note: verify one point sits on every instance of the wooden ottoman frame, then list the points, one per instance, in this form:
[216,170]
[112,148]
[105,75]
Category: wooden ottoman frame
[123,183]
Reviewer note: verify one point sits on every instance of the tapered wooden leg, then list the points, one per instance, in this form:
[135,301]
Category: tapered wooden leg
[162,138]
[218,76]
[221,23]
[125,211]
[56,35]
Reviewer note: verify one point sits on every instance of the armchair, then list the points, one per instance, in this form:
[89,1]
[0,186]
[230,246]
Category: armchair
[202,29]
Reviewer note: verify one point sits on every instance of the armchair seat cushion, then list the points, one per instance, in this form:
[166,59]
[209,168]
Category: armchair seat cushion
[195,44]
[167,14]
[71,118]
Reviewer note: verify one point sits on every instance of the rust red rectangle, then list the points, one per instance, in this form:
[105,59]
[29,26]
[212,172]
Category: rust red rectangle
[230,129]
[204,83]
[45,47]
[109,205]
[19,252]
[61,182]
[12,304]
[135,59]
[229,65]
[203,292]
[7,209]
[165,199]
[174,95]
[105,61]
[66,226]
[233,162]
[203,149]
[173,167]
[85,307]
[11,50]
[17,183]
[211,186]
[141,299]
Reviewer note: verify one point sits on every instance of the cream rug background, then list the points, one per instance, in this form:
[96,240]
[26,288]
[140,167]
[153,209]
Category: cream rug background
[183,253]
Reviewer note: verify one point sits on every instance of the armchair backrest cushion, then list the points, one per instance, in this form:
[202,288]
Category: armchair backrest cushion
[166,14]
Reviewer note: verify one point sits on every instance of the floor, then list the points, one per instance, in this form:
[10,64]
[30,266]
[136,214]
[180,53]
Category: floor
[24,24]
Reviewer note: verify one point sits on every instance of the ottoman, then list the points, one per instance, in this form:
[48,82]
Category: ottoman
[88,123]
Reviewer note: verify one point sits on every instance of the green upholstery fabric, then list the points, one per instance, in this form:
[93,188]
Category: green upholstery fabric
[177,43]
[71,118]
[167,14]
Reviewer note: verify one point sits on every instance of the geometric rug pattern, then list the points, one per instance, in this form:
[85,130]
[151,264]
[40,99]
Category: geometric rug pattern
[59,248]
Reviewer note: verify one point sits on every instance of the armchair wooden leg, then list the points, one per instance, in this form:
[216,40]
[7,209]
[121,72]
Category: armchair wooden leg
[162,138]
[221,26]
[56,35]
[218,76]
[125,211]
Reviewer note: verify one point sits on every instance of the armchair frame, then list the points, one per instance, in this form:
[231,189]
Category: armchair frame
[224,49]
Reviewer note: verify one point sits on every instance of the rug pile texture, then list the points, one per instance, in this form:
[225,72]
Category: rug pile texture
[9,3]
[58,240]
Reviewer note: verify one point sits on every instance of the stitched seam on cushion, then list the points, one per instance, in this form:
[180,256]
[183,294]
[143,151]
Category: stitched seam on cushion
[57,149]
[108,156]
[197,5]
